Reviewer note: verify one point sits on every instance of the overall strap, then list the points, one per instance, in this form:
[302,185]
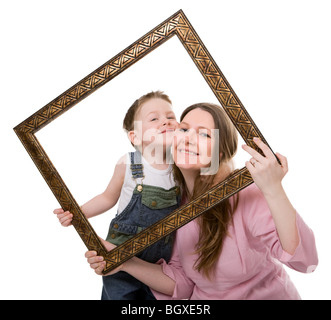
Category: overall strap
[136,165]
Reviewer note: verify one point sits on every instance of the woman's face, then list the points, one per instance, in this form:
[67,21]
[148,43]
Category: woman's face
[194,140]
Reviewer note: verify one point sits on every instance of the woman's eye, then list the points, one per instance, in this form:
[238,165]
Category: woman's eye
[204,134]
[183,129]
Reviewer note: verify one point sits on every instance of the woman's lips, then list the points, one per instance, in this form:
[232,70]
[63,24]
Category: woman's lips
[186,151]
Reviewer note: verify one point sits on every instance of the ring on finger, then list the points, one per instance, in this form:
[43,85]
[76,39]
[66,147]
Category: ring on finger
[253,162]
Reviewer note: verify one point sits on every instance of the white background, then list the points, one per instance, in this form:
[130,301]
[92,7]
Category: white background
[275,54]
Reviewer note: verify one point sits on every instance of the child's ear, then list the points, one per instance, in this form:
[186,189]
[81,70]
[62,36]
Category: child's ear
[133,138]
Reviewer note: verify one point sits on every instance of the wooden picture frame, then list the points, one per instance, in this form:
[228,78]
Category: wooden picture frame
[176,25]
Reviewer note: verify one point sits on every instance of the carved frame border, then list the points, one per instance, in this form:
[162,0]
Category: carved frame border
[176,25]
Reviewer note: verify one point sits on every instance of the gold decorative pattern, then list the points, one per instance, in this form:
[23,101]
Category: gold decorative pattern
[177,25]
[236,182]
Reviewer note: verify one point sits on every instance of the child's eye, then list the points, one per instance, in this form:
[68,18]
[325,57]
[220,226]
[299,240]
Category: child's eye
[183,129]
[154,119]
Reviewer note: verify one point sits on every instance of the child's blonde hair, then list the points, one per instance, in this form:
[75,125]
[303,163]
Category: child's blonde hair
[128,122]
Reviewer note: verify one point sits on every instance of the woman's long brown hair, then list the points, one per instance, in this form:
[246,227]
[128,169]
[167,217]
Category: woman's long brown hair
[214,222]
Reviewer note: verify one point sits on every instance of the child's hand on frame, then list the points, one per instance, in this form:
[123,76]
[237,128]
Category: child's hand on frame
[65,218]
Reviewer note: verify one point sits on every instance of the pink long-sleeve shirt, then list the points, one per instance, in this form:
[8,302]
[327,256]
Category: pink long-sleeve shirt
[250,265]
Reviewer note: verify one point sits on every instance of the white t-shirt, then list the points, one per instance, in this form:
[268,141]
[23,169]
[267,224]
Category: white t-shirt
[153,177]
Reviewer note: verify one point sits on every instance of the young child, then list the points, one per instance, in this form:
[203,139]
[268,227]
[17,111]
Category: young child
[144,185]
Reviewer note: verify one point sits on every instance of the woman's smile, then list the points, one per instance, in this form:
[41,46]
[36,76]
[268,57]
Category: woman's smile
[187,151]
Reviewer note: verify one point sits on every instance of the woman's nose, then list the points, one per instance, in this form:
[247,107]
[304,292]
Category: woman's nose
[190,137]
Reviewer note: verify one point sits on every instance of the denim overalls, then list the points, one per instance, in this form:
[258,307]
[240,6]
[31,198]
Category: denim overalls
[148,205]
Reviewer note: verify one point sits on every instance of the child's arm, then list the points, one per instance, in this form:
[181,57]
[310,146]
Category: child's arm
[101,202]
[110,196]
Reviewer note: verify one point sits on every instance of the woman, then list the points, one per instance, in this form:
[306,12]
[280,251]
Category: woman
[234,250]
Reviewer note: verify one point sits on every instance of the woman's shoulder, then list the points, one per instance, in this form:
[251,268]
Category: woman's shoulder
[251,200]
[250,192]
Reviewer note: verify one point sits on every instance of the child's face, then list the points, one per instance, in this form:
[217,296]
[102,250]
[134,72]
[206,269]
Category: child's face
[155,123]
